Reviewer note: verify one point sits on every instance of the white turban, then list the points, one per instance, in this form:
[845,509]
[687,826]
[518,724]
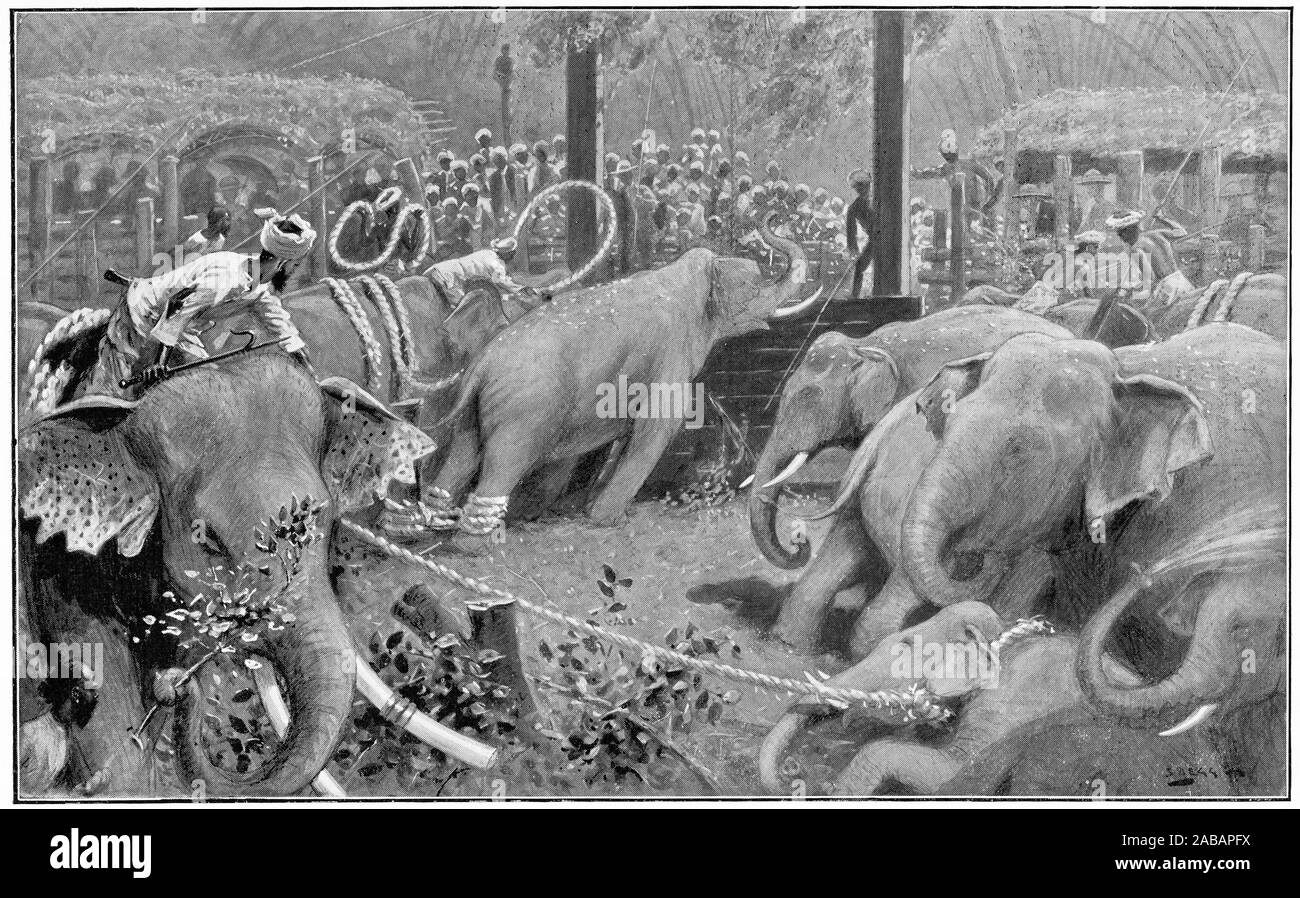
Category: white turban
[281,243]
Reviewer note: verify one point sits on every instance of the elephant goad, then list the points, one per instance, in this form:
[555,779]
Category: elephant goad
[1111,462]
[536,395]
[121,501]
[1019,722]
[839,393]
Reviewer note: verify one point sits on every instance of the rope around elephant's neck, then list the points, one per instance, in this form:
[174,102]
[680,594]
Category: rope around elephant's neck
[610,216]
[912,703]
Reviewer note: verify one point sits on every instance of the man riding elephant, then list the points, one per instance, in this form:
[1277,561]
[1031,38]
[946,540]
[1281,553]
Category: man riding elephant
[450,276]
[159,314]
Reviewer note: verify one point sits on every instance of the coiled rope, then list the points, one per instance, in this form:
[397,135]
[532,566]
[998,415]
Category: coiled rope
[49,382]
[915,702]
[368,212]
[371,352]
[610,216]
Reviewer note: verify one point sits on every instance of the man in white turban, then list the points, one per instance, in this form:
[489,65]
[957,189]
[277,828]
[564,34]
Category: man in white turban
[159,314]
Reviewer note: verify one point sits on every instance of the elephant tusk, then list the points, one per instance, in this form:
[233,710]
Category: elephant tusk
[398,710]
[746,482]
[1193,719]
[269,691]
[798,308]
[795,464]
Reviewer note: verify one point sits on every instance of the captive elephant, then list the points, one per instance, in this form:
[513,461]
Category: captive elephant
[121,501]
[1259,301]
[1106,460]
[1124,326]
[860,558]
[533,397]
[1006,686]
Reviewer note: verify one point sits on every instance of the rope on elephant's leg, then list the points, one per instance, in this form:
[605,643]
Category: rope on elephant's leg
[368,211]
[913,703]
[371,352]
[610,216]
[483,514]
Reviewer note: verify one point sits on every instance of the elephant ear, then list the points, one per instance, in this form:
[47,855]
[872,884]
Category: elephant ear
[878,368]
[1160,429]
[950,384]
[367,447]
[77,476]
[733,289]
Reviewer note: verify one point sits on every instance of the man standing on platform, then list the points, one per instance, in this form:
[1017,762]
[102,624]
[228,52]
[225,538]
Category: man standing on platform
[860,214]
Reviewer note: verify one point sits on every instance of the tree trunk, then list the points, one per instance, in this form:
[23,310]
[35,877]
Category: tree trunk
[582,132]
[891,243]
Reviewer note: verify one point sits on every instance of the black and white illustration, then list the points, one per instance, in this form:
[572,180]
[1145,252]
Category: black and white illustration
[515,402]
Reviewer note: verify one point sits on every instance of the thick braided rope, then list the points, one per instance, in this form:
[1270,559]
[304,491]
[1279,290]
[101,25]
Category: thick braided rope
[403,319]
[393,308]
[610,215]
[1203,302]
[49,382]
[1234,289]
[370,349]
[913,703]
[401,371]
[394,237]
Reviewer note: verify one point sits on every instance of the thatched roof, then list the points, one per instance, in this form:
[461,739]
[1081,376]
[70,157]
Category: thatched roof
[1104,123]
[311,113]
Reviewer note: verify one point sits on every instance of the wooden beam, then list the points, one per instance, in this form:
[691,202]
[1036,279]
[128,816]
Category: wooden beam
[1063,196]
[143,237]
[957,258]
[169,184]
[319,217]
[1128,183]
[891,243]
[1209,167]
[40,214]
[1010,204]
[582,133]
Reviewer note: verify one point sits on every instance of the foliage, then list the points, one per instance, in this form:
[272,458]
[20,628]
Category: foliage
[1112,121]
[313,112]
[611,729]
[620,34]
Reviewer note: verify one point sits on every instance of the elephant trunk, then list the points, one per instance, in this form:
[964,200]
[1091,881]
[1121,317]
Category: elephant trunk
[787,288]
[942,493]
[315,657]
[775,747]
[1208,671]
[763,500]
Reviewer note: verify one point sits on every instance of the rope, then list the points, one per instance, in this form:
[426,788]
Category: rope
[913,703]
[1235,288]
[370,350]
[49,382]
[394,238]
[808,336]
[611,216]
[1203,302]
[401,370]
[403,319]
[387,297]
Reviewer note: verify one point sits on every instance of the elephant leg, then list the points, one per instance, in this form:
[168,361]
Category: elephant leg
[509,453]
[916,767]
[884,616]
[646,446]
[458,469]
[844,556]
[544,488]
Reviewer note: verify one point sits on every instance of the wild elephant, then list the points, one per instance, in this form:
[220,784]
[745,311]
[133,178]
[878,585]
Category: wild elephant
[859,560]
[844,386]
[122,502]
[1005,686]
[1107,460]
[541,393]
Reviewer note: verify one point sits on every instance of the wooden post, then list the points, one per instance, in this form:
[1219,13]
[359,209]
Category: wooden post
[85,257]
[1211,262]
[957,258]
[1210,163]
[1010,204]
[319,218]
[582,133]
[409,179]
[891,243]
[1128,183]
[144,236]
[1255,248]
[940,230]
[1063,195]
[40,212]
[169,184]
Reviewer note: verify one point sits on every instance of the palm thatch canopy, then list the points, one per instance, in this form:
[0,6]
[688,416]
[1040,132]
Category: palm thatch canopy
[1107,122]
[309,113]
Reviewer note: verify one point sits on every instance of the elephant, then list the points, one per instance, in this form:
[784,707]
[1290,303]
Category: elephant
[1105,460]
[541,392]
[1005,687]
[1259,301]
[860,560]
[1124,326]
[123,501]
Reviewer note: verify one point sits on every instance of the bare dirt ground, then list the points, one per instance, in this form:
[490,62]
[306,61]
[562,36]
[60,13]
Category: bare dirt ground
[686,566]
